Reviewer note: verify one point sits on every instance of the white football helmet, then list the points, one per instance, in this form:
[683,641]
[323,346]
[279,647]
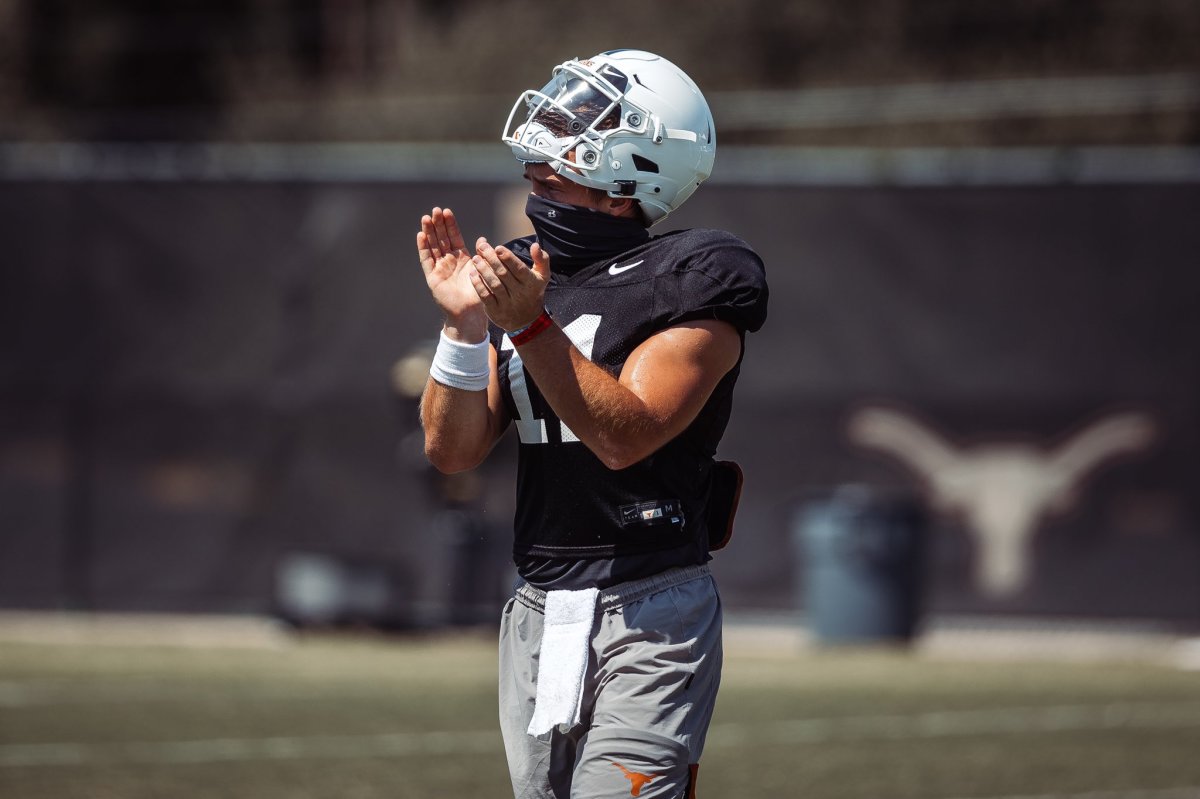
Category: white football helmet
[626,121]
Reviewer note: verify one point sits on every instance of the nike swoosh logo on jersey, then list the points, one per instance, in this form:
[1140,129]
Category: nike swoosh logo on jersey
[616,270]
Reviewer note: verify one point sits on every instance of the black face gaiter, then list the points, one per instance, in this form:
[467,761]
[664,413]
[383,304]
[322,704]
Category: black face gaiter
[575,237]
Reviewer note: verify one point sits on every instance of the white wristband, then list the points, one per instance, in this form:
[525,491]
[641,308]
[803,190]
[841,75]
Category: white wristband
[459,365]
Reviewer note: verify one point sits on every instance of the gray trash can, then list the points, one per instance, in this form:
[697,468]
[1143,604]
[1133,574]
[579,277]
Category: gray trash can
[862,555]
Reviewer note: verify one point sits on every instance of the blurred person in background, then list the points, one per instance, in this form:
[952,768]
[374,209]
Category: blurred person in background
[615,353]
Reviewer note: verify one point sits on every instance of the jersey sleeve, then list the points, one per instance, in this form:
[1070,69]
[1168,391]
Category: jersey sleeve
[722,278]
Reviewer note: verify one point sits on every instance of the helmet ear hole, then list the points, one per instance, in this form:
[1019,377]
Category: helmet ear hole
[643,164]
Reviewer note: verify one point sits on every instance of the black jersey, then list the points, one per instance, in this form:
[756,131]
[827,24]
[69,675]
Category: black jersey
[578,522]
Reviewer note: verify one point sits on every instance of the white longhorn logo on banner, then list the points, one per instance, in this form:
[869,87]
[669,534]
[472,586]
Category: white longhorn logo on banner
[1002,489]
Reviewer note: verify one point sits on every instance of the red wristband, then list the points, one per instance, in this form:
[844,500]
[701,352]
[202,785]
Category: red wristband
[531,331]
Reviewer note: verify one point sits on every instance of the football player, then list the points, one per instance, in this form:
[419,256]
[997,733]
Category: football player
[614,352]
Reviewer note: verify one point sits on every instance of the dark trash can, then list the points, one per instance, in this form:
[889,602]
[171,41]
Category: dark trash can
[862,555]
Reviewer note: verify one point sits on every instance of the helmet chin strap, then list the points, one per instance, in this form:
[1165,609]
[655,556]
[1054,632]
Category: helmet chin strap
[619,188]
[566,168]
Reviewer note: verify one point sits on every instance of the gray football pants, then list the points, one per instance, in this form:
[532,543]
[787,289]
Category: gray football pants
[653,670]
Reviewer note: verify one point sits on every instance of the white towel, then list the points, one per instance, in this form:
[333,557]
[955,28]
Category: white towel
[566,638]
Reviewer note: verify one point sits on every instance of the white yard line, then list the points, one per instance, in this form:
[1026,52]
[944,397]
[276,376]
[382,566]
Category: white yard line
[953,723]
[1183,792]
[48,693]
[194,631]
[218,750]
[943,724]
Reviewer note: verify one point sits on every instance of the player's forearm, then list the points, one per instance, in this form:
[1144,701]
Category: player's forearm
[606,416]
[458,427]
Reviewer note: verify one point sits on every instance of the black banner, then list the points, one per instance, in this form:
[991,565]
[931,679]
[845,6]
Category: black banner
[202,380]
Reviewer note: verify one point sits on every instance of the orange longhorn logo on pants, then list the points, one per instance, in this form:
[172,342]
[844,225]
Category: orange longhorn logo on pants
[637,781]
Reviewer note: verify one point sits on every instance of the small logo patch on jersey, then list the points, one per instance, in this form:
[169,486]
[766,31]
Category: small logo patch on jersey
[636,781]
[646,514]
[616,270]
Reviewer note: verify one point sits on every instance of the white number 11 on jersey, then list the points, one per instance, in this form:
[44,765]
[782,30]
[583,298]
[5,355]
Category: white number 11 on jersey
[582,333]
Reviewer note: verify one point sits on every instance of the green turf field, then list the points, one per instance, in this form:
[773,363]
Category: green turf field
[416,718]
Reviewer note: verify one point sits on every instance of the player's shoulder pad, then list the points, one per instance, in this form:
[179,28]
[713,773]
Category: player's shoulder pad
[716,275]
[714,251]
